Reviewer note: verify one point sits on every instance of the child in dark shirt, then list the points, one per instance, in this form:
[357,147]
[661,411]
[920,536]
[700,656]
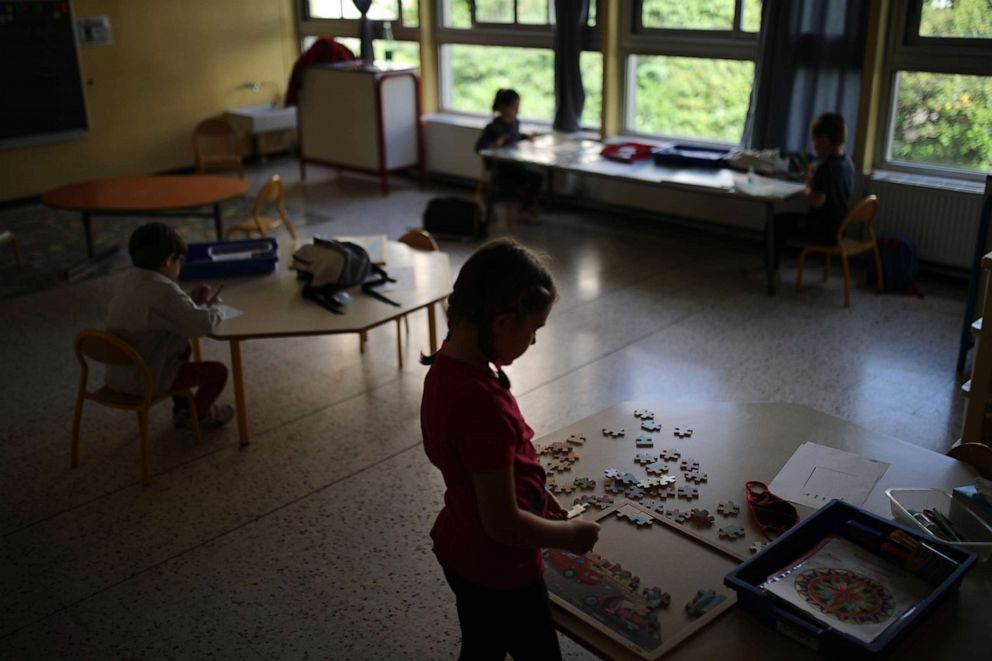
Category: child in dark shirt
[509,180]
[828,189]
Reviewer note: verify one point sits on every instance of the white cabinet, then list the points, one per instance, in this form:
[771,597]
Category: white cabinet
[352,117]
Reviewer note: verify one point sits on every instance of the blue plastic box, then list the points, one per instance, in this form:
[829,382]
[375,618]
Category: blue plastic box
[687,156]
[224,259]
[833,519]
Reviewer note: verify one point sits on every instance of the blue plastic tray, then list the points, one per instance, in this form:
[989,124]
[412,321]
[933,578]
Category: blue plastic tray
[687,156]
[223,259]
[833,519]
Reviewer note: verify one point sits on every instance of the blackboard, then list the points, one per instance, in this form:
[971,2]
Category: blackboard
[41,92]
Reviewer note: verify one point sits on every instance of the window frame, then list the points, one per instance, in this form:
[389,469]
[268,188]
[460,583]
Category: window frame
[907,51]
[637,40]
[309,26]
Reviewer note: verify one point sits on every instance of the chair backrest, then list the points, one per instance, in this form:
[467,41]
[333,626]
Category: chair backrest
[420,240]
[978,455]
[864,212]
[108,349]
[271,191]
[213,131]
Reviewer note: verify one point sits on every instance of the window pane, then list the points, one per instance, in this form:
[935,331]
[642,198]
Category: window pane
[751,20]
[494,11]
[381,10]
[458,14]
[591,64]
[688,14]
[405,53]
[943,119]
[478,71]
[534,12]
[956,18]
[411,13]
[333,9]
[592,13]
[692,97]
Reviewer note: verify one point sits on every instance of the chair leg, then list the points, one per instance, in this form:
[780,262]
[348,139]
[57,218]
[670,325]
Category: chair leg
[362,339]
[826,266]
[847,280]
[799,270]
[194,417]
[880,279]
[406,323]
[76,420]
[399,344]
[146,468]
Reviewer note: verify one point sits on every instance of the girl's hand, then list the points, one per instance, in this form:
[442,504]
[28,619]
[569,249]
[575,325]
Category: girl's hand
[584,536]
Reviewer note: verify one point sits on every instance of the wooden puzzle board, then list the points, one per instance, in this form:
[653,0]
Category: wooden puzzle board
[662,556]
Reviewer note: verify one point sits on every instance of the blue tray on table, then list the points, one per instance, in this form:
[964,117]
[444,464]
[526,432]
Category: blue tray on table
[222,259]
[687,156]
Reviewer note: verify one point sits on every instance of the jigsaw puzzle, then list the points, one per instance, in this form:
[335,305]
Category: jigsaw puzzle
[643,414]
[635,517]
[689,493]
[635,493]
[700,517]
[612,474]
[599,502]
[576,439]
[757,546]
[682,433]
[644,441]
[695,477]
[671,454]
[678,516]
[650,426]
[644,458]
[689,464]
[629,479]
[656,598]
[728,508]
[612,432]
[702,602]
[657,468]
[584,483]
[732,532]
[576,510]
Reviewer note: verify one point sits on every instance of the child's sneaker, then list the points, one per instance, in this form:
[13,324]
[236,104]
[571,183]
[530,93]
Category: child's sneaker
[220,415]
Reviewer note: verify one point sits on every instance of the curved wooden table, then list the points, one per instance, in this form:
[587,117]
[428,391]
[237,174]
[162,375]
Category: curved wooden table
[151,195]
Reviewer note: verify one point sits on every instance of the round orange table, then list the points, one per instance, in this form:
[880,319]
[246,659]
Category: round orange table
[153,195]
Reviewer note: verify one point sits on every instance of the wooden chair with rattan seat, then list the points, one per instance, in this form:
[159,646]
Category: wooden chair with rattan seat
[108,349]
[486,197]
[864,213]
[271,193]
[6,236]
[217,146]
[977,455]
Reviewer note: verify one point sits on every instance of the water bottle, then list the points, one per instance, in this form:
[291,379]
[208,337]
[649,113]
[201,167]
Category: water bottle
[387,37]
[750,179]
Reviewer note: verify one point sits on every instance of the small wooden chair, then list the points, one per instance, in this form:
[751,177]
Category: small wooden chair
[108,349]
[217,146]
[978,455]
[864,212]
[6,236]
[485,195]
[272,192]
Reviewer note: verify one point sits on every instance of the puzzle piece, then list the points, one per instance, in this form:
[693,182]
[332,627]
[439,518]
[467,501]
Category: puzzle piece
[643,414]
[757,546]
[656,598]
[695,477]
[729,508]
[613,432]
[682,433]
[653,483]
[732,532]
[559,448]
[576,510]
[559,466]
[635,493]
[700,517]
[671,454]
[689,493]
[551,485]
[576,439]
[612,474]
[629,479]
[653,505]
[665,492]
[702,602]
[657,468]
[644,458]
[650,426]
[644,441]
[635,517]
[599,502]
[584,483]
[678,516]
[615,487]
[689,464]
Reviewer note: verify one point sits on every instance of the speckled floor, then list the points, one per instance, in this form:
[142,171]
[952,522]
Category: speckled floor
[312,542]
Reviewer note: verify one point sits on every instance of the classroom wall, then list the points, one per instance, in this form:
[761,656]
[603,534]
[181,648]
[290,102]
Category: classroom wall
[171,64]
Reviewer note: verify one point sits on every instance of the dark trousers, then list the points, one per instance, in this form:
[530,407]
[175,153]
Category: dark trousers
[207,377]
[496,623]
[803,229]
[510,180]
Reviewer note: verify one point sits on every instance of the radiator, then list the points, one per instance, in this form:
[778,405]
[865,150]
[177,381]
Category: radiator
[943,222]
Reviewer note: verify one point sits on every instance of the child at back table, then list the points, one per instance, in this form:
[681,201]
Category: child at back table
[497,514]
[509,180]
[152,314]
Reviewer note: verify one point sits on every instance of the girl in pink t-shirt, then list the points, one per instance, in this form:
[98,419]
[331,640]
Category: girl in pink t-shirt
[497,515]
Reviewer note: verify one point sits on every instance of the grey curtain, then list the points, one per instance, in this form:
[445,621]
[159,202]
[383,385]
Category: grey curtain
[570,96]
[810,56]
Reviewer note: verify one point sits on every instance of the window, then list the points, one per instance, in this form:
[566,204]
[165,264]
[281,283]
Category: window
[690,68]
[939,71]
[490,44]
[405,11]
[340,19]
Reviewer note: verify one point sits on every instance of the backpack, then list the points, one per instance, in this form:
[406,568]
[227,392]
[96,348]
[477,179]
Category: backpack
[453,216]
[900,265]
[330,267]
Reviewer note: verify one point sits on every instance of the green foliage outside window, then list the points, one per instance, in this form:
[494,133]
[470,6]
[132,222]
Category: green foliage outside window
[697,15]
[956,18]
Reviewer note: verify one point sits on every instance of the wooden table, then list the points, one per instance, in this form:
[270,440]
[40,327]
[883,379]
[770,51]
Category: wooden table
[140,196]
[274,307]
[739,442]
[556,152]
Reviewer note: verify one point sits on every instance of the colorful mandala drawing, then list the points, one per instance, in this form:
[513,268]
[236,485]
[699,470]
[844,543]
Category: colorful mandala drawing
[846,595]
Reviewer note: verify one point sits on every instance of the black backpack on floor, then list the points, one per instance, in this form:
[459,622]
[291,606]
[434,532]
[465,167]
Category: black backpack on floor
[454,217]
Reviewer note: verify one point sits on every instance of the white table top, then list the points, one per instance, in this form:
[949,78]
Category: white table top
[273,304]
[561,152]
[738,442]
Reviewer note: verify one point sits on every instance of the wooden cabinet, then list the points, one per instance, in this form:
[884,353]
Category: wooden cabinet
[352,117]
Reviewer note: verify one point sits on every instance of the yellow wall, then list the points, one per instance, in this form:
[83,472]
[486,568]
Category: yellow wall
[172,63]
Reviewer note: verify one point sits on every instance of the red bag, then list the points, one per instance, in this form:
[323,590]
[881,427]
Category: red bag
[627,152]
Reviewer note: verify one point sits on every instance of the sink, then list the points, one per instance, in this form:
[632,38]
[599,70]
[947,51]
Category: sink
[262,119]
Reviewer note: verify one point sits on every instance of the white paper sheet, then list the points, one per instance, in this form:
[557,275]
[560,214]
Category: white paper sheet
[815,474]
[228,311]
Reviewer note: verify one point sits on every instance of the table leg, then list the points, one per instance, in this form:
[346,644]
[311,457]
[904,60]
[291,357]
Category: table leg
[88,231]
[770,268]
[239,391]
[432,328]
[399,344]
[218,225]
[197,353]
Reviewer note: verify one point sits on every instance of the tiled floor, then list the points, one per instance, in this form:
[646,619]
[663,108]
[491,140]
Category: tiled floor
[312,542]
